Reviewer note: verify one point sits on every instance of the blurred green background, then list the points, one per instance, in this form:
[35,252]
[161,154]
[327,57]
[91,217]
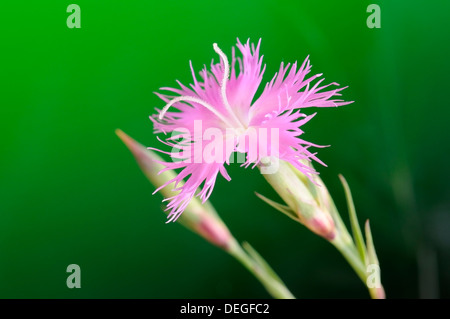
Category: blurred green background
[70,192]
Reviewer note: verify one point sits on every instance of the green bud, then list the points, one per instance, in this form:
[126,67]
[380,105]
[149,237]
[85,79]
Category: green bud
[307,201]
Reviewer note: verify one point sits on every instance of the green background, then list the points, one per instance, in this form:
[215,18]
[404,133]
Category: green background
[70,192]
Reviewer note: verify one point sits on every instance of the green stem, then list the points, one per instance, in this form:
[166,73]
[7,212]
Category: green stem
[345,244]
[351,254]
[274,286]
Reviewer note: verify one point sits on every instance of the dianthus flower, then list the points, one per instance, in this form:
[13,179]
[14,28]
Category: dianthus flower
[216,116]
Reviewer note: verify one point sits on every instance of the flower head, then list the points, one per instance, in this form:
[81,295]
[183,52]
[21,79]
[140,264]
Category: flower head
[215,117]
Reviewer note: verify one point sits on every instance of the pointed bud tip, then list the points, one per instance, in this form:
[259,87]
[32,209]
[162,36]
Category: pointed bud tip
[127,140]
[323,225]
[119,131]
[123,136]
[147,160]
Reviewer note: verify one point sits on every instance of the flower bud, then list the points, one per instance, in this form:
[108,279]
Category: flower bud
[200,218]
[308,201]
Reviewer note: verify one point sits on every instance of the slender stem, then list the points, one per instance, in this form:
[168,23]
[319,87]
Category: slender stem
[345,244]
[274,286]
[350,253]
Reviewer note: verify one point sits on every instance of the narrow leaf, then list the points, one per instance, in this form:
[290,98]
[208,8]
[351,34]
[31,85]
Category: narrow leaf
[373,267]
[282,208]
[356,230]
[371,253]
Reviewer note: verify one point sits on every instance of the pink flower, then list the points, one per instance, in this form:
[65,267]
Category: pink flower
[215,117]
